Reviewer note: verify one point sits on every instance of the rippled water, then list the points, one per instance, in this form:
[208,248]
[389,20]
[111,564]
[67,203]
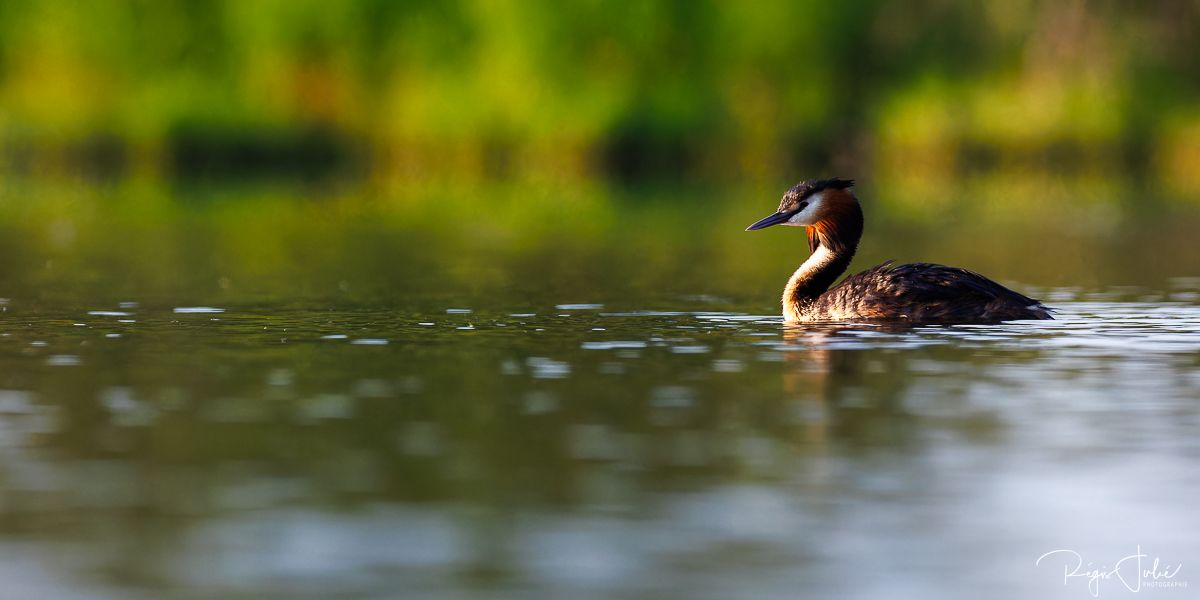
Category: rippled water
[580,449]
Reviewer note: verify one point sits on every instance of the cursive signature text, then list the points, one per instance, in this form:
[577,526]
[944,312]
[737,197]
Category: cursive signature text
[1134,571]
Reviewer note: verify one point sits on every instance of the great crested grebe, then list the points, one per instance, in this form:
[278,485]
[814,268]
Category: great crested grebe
[915,292]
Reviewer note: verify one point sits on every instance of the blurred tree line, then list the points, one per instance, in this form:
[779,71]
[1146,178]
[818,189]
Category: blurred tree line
[476,89]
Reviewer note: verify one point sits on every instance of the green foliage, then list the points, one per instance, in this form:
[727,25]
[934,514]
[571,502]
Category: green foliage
[455,88]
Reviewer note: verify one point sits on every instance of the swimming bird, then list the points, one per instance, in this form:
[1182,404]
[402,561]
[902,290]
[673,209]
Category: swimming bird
[917,292]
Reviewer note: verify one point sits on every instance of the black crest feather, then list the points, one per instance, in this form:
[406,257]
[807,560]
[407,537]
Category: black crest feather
[812,186]
[804,189]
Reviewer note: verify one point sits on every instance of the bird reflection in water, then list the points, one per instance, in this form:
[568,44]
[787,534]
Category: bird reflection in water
[842,389]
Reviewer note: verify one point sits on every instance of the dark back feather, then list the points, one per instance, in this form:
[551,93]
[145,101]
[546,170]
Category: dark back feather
[928,292]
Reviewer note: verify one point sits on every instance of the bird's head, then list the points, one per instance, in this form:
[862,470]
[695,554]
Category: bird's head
[810,202]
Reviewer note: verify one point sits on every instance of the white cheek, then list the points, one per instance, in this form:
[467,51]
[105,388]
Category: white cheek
[804,218]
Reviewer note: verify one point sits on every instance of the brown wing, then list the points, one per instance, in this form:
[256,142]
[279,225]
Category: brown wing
[929,292]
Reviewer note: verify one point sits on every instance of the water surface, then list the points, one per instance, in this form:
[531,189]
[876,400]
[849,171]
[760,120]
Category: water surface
[578,449]
[255,395]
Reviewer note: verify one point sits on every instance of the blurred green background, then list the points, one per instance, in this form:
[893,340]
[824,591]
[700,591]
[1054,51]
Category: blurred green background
[482,89]
[514,139]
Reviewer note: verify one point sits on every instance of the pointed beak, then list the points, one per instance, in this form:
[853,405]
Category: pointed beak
[768,221]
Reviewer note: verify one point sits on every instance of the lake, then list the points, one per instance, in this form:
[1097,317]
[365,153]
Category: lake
[280,392]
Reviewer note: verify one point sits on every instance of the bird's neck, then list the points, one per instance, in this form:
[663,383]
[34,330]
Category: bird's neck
[833,246]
